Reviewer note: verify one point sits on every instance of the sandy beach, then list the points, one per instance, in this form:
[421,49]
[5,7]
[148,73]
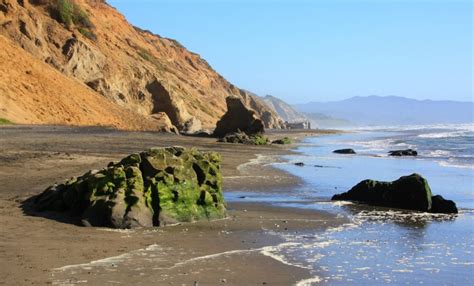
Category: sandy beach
[46,250]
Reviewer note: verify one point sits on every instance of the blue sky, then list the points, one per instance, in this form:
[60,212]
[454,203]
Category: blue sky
[305,50]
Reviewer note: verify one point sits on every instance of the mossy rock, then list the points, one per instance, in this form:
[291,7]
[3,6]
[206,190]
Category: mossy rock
[283,141]
[243,138]
[153,188]
[408,192]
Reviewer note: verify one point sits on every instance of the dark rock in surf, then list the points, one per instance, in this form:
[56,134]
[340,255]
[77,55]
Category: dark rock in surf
[406,152]
[344,151]
[409,192]
[299,164]
[441,205]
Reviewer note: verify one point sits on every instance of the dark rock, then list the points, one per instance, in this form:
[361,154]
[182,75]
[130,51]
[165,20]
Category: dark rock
[243,138]
[408,192]
[282,141]
[407,152]
[238,117]
[299,164]
[344,151]
[440,205]
[153,188]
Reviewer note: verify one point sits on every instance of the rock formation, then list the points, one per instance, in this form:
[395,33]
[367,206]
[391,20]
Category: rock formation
[238,118]
[344,151]
[94,47]
[284,110]
[153,188]
[409,192]
[282,141]
[407,152]
[243,138]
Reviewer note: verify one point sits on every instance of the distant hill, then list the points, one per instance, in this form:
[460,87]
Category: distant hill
[283,109]
[392,110]
[320,120]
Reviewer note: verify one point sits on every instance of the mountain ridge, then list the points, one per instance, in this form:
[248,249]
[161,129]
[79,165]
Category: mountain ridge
[377,110]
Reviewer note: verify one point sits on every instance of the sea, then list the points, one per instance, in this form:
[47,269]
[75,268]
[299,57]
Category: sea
[380,245]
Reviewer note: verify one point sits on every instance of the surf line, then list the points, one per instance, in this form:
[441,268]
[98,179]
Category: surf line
[265,250]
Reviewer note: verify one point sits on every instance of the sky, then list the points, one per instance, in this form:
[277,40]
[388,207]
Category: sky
[323,50]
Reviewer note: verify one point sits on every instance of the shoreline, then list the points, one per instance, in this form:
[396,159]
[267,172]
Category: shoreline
[33,246]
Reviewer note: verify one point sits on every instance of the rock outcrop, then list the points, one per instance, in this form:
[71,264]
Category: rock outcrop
[284,110]
[243,138]
[344,151]
[409,192]
[282,141]
[153,188]
[406,152]
[238,118]
[441,205]
[95,47]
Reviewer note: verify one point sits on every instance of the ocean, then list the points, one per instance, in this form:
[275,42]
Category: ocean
[382,246]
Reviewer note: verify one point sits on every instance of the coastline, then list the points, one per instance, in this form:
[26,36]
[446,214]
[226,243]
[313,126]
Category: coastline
[236,250]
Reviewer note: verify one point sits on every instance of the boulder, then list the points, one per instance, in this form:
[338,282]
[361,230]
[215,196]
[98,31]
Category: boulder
[238,117]
[409,192]
[440,205]
[282,141]
[192,126]
[152,188]
[407,152]
[344,151]
[242,138]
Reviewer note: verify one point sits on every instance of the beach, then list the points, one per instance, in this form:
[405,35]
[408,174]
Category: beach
[241,249]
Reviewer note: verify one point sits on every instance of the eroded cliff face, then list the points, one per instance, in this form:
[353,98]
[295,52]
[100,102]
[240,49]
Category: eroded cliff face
[92,43]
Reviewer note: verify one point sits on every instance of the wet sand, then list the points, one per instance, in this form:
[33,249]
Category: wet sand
[232,251]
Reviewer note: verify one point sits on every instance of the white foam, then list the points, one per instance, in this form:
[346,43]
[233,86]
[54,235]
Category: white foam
[455,165]
[309,282]
[437,135]
[110,261]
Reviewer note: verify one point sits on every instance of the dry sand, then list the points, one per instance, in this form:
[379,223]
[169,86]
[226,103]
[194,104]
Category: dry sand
[229,251]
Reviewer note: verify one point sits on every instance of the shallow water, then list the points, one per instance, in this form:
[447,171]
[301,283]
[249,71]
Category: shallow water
[381,246]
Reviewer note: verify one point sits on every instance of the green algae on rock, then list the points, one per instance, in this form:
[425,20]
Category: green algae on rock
[408,192]
[154,188]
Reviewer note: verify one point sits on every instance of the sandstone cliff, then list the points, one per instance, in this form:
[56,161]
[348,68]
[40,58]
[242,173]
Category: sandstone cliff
[283,109]
[99,52]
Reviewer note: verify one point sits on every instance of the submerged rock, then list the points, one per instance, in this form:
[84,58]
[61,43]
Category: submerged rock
[406,152]
[344,151]
[409,192]
[238,117]
[153,188]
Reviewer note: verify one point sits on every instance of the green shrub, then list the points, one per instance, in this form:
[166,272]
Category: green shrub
[88,33]
[4,121]
[65,11]
[69,13]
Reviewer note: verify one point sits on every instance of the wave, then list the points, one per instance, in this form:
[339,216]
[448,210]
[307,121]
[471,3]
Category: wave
[451,134]
[462,126]
[381,144]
